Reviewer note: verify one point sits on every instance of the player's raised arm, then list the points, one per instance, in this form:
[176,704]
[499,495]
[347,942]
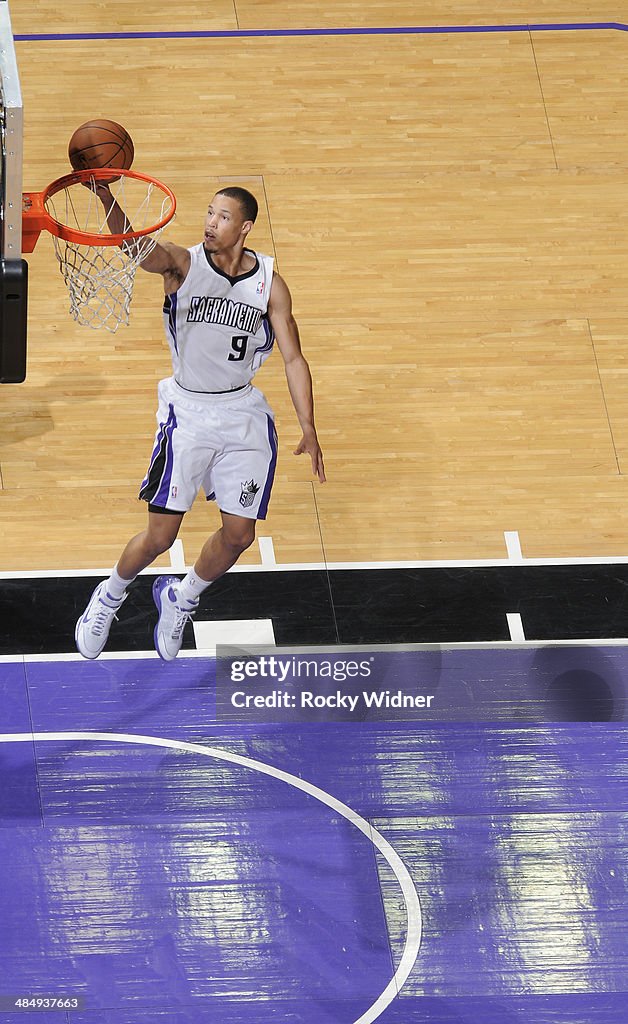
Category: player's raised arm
[165,258]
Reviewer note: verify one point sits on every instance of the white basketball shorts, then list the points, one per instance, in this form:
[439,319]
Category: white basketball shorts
[226,444]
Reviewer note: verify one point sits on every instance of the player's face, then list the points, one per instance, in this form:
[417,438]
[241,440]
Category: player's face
[224,224]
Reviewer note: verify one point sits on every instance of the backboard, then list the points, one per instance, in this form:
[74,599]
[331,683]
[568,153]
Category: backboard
[13,269]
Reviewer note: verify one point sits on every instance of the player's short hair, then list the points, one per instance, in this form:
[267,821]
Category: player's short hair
[247,201]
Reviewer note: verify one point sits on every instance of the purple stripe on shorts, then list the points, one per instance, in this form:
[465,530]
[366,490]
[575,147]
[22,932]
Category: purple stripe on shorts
[272,440]
[161,498]
[160,463]
[156,450]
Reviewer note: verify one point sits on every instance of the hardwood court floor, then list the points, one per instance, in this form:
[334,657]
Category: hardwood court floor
[448,212]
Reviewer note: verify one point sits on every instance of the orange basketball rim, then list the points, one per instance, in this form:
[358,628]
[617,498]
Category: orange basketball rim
[98,265]
[37,216]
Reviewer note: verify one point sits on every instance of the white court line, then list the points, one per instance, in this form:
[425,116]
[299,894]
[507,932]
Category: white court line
[513,546]
[210,633]
[461,645]
[177,558]
[411,897]
[478,563]
[267,552]
[515,626]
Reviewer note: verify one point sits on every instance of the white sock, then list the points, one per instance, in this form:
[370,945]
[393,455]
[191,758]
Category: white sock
[191,588]
[116,585]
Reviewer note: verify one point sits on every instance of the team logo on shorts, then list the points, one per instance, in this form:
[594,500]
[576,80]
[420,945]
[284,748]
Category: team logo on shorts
[249,490]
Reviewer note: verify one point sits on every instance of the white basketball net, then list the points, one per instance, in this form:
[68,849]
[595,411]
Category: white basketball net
[100,278]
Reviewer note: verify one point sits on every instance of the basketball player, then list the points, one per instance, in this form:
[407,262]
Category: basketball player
[224,308]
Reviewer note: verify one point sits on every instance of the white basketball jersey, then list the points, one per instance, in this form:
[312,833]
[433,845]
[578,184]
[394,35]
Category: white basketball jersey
[217,326]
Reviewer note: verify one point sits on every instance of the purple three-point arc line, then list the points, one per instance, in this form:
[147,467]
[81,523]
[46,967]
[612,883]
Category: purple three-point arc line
[274,32]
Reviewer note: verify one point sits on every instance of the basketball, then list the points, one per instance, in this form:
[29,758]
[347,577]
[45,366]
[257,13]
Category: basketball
[101,144]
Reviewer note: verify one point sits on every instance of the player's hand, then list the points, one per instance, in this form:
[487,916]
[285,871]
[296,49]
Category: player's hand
[99,188]
[309,443]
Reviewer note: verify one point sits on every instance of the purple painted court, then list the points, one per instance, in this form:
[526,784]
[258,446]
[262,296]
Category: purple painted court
[155,882]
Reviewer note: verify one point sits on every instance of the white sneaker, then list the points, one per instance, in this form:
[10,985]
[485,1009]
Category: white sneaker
[172,617]
[92,629]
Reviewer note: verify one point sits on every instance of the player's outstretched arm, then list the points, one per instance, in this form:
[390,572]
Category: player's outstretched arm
[297,372]
[165,258]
